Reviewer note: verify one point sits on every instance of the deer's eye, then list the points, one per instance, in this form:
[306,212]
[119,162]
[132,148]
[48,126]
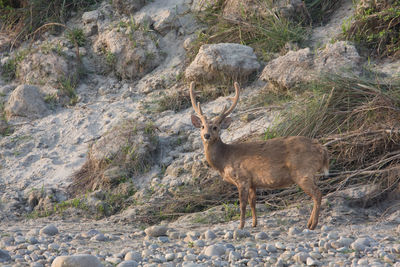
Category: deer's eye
[202,126]
[215,128]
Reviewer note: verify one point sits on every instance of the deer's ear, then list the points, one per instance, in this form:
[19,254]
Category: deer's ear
[196,121]
[226,122]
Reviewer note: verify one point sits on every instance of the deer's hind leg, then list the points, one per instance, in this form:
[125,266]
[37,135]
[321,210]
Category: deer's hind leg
[243,196]
[310,188]
[252,201]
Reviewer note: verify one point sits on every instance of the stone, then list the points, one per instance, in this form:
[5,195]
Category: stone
[130,55]
[296,67]
[301,257]
[209,235]
[338,58]
[156,230]
[50,229]
[165,21]
[91,16]
[294,231]
[214,250]
[290,69]
[45,69]
[133,255]
[78,260]
[26,101]
[4,255]
[311,262]
[261,236]
[222,60]
[240,233]
[6,89]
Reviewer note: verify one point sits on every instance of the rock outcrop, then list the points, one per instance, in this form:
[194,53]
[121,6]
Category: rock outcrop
[223,61]
[301,66]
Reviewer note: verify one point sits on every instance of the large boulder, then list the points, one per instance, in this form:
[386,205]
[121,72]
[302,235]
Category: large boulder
[131,54]
[224,60]
[301,66]
[26,101]
[45,68]
[291,69]
[337,57]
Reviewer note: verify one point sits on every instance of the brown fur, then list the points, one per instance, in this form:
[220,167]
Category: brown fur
[273,164]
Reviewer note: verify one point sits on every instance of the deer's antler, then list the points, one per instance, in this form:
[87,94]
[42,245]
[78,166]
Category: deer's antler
[226,112]
[196,107]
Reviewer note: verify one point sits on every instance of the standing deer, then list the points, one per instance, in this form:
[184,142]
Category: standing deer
[272,164]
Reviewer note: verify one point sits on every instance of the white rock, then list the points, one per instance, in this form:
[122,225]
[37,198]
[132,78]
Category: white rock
[222,60]
[156,230]
[26,101]
[214,250]
[78,260]
[50,229]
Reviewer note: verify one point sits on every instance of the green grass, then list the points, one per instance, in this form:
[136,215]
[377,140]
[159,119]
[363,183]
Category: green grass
[375,29]
[265,33]
[20,21]
[9,69]
[76,35]
[67,87]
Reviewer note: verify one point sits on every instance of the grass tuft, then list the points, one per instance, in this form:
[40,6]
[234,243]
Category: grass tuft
[376,27]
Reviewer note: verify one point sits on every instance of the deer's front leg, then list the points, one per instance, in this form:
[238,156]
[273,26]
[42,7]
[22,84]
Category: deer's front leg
[243,195]
[252,202]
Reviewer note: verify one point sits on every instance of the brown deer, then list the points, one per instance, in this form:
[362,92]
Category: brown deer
[272,164]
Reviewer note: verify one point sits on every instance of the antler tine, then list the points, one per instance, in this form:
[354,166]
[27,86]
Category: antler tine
[200,112]
[225,112]
[193,99]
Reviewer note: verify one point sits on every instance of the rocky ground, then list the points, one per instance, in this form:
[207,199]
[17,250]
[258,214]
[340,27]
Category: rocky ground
[131,63]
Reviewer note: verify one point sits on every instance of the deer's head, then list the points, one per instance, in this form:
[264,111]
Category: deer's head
[210,128]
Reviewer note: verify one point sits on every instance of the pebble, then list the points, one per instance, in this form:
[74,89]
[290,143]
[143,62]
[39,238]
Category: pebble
[261,236]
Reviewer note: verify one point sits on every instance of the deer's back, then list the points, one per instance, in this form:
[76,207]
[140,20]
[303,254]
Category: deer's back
[275,163]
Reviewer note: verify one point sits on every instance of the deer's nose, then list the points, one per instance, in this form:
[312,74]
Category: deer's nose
[207,136]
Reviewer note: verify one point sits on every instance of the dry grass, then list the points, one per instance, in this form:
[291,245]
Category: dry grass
[22,18]
[376,26]
[264,31]
[119,166]
[359,121]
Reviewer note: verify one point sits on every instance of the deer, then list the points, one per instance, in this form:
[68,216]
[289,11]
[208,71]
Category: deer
[272,164]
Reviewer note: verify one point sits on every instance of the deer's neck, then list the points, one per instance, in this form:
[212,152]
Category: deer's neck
[216,154]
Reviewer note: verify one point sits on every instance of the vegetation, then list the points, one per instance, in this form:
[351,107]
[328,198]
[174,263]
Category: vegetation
[76,35]
[358,120]
[22,18]
[320,10]
[9,70]
[265,33]
[375,26]
[118,167]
